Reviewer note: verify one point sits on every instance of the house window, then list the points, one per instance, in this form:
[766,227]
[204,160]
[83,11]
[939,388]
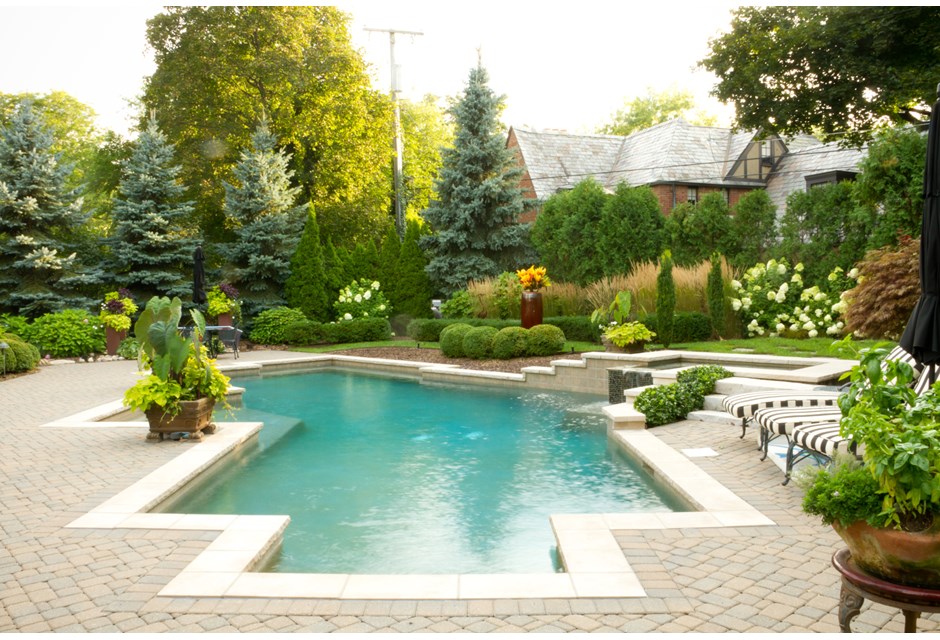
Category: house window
[692,195]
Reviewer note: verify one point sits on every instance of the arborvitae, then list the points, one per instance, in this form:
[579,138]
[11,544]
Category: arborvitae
[413,286]
[151,252]
[305,289]
[716,295]
[475,219]
[39,273]
[336,271]
[364,261]
[665,299]
[389,266]
[266,222]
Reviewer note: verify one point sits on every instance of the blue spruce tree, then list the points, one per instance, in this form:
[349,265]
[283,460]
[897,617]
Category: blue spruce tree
[266,223]
[476,217]
[151,250]
[39,270]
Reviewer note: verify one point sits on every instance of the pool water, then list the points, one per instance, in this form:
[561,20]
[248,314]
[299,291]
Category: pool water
[388,475]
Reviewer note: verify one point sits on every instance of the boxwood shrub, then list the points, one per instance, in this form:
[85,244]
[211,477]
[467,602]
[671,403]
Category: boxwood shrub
[689,326]
[478,342]
[574,327]
[269,326]
[452,339]
[673,402]
[578,328]
[21,356]
[545,340]
[304,332]
[358,330]
[510,342]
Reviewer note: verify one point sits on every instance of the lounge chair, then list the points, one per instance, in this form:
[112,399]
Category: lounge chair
[745,405]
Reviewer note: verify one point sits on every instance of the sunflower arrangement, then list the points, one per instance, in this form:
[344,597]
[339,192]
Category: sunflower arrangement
[533,278]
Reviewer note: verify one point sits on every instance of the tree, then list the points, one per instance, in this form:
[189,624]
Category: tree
[220,68]
[568,230]
[151,248]
[631,229]
[752,232]
[644,111]
[696,230]
[306,288]
[475,219]
[337,271]
[413,287]
[665,300]
[38,216]
[387,274]
[891,184]
[363,261]
[715,295]
[266,224]
[426,133]
[796,69]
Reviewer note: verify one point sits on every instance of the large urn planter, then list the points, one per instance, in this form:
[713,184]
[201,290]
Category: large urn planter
[113,339]
[531,309]
[224,320]
[195,418]
[902,557]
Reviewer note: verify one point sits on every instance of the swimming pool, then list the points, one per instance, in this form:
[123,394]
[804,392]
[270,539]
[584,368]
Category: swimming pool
[387,475]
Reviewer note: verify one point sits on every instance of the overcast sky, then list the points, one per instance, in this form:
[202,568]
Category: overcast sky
[560,65]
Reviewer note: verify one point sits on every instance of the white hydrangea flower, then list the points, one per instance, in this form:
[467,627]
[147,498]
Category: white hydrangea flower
[735,304]
[833,330]
[375,285]
[804,317]
[780,327]
[771,296]
[358,297]
[342,298]
[853,273]
[828,318]
[813,333]
[780,298]
[797,278]
[819,313]
[781,269]
[799,266]
[794,327]
[819,297]
[735,285]
[365,314]
[784,287]
[367,294]
[746,303]
[809,326]
[381,307]
[347,316]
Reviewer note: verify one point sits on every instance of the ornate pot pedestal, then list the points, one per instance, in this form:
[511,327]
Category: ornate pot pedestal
[194,417]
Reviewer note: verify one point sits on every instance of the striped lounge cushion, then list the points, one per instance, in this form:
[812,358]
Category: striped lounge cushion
[822,437]
[745,405]
[782,420]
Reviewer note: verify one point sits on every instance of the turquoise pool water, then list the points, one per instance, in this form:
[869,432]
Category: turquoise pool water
[388,475]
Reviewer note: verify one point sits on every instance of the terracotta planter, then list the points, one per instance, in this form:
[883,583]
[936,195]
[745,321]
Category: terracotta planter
[531,309]
[194,417]
[901,557]
[224,320]
[113,339]
[635,347]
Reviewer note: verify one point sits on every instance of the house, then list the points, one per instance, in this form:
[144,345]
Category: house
[679,161]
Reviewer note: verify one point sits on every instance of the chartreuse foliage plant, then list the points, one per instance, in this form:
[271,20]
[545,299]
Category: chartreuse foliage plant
[117,309]
[269,326]
[72,333]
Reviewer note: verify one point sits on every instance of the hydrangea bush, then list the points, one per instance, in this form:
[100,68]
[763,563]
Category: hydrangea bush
[362,299]
[772,301]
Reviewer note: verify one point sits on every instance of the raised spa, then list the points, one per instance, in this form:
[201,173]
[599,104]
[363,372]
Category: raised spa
[388,475]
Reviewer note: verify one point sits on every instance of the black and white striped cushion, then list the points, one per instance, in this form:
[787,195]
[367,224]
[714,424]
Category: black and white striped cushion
[745,405]
[822,438]
[782,420]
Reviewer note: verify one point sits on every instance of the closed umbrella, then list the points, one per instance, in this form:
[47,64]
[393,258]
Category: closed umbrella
[199,277]
[921,337]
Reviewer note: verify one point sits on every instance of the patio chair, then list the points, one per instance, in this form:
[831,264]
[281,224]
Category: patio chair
[745,405]
[230,338]
[820,438]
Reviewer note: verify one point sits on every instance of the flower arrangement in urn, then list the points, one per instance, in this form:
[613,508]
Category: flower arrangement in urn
[115,315]
[886,507]
[223,303]
[532,280]
[619,334]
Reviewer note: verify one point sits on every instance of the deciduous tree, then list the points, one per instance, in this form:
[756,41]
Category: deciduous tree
[644,111]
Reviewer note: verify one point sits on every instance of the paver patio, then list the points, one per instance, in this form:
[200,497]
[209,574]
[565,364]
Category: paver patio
[751,579]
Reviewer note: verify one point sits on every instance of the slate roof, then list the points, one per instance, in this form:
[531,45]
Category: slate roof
[674,151]
[806,160]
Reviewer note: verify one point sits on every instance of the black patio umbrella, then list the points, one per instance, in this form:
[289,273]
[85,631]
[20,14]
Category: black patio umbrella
[921,337]
[199,277]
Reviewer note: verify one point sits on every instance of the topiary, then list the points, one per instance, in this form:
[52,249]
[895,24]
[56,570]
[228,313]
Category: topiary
[72,333]
[269,326]
[665,300]
[20,356]
[545,340]
[510,342]
[715,294]
[304,332]
[478,342]
[452,340]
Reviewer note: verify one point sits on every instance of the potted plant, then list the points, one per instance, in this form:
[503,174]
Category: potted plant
[532,281]
[115,315]
[183,384]
[223,304]
[887,507]
[619,334]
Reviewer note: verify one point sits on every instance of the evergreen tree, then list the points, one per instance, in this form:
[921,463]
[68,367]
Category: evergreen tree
[267,224]
[388,266]
[151,251]
[336,270]
[306,289]
[364,262]
[568,231]
[475,219]
[632,225]
[665,300]
[752,229]
[38,216]
[715,293]
[413,286]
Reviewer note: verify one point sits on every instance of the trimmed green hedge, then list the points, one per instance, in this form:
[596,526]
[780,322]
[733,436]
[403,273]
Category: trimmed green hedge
[20,356]
[310,332]
[673,402]
[689,326]
[574,327]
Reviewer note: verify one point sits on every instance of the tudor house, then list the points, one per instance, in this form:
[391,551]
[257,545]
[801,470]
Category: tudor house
[680,162]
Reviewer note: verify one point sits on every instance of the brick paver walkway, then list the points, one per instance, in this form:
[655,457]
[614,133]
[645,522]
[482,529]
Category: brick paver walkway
[56,579]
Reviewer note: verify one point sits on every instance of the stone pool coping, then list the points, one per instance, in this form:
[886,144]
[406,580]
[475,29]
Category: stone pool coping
[595,564]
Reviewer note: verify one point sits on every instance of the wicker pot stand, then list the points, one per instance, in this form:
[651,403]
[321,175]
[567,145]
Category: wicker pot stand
[194,418]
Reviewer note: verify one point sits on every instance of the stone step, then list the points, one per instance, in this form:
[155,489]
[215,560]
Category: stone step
[713,402]
[633,392]
[624,416]
[718,417]
[735,385]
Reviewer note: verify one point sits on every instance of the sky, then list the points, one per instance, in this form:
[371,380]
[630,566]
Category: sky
[560,65]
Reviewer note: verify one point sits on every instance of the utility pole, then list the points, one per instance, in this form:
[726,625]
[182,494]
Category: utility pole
[397,144]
